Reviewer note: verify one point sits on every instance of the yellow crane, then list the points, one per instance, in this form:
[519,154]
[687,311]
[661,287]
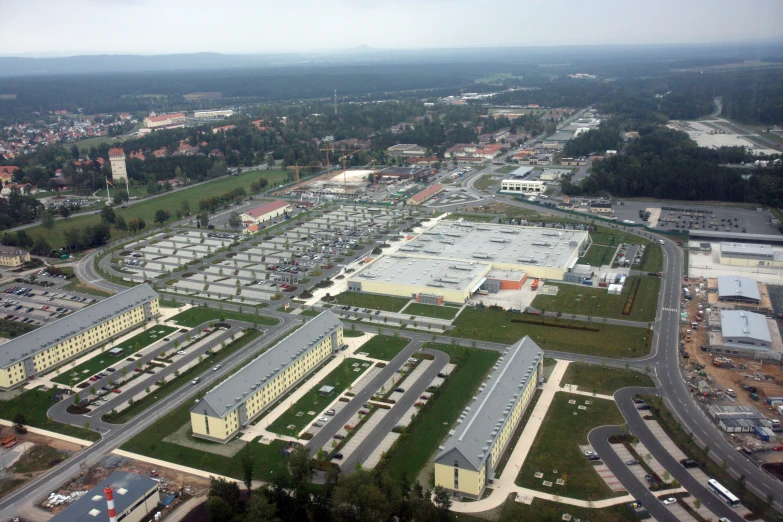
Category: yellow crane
[296,168]
[346,156]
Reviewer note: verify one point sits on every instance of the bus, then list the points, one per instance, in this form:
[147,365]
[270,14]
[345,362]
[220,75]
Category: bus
[723,493]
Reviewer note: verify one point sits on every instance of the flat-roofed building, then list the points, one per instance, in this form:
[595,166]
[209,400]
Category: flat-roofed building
[745,334]
[171,121]
[134,497]
[13,257]
[265,212]
[601,208]
[239,399]
[49,346]
[522,186]
[207,115]
[467,460]
[747,254]
[406,150]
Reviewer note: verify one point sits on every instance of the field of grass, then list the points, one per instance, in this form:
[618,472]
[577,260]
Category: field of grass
[39,458]
[596,302]
[414,449]
[374,302]
[557,447]
[597,255]
[34,404]
[341,377]
[184,378]
[653,258]
[487,181]
[146,208]
[550,511]
[82,288]
[198,315]
[266,457]
[438,312]
[11,329]
[103,360]
[603,380]
[484,324]
[85,145]
[383,347]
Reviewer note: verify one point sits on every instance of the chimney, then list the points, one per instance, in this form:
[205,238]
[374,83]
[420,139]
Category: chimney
[109,492]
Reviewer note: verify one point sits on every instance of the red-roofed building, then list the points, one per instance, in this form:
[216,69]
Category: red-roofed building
[137,154]
[265,212]
[7,173]
[252,229]
[424,195]
[160,153]
[489,151]
[258,124]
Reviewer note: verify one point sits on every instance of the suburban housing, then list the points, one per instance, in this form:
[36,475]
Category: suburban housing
[50,345]
[265,212]
[235,402]
[467,461]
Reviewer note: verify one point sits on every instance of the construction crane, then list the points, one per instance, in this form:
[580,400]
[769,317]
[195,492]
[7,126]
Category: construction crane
[296,168]
[346,156]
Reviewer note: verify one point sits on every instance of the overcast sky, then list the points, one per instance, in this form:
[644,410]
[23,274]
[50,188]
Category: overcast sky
[57,27]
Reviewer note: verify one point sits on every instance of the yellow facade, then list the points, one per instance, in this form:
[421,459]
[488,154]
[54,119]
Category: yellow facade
[77,344]
[513,419]
[466,481]
[748,262]
[219,428]
[14,260]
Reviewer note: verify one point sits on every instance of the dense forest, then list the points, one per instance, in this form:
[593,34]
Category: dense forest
[667,164]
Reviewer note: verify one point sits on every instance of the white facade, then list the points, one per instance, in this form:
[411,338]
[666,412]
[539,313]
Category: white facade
[522,186]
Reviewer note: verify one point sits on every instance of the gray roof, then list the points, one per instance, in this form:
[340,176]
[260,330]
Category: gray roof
[8,251]
[482,420]
[739,323]
[29,344]
[738,286]
[399,269]
[522,172]
[717,234]
[746,249]
[222,399]
[129,488]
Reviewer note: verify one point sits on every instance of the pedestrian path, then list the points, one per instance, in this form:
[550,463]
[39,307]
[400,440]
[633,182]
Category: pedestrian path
[574,389]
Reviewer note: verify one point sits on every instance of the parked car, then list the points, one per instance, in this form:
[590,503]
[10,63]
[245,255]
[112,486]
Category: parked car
[330,412]
[338,456]
[670,500]
[117,390]
[338,436]
[323,419]
[689,463]
[631,462]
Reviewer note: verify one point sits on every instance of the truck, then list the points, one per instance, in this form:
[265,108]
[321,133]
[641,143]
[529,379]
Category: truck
[686,294]
[534,285]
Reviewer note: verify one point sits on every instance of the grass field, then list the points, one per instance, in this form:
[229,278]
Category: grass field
[375,302]
[184,378]
[76,286]
[557,447]
[146,208]
[383,347]
[103,360]
[603,380]
[438,312]
[484,324]
[85,145]
[596,302]
[34,404]
[266,457]
[414,450]
[196,316]
[341,377]
[550,511]
[597,255]
[487,181]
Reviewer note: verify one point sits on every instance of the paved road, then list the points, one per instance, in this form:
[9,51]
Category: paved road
[413,390]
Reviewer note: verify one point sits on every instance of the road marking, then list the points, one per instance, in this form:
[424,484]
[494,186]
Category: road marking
[670,310]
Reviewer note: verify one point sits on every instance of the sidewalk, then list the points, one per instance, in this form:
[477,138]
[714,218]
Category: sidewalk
[573,389]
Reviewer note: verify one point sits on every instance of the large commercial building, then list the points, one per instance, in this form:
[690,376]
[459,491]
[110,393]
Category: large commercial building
[522,186]
[13,257]
[258,215]
[117,161]
[131,496]
[739,293]
[452,260]
[406,150]
[424,195]
[467,461]
[745,334]
[746,254]
[235,402]
[163,121]
[207,115]
[49,346]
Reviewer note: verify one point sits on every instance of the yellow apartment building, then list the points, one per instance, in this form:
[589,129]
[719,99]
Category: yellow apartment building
[467,461]
[51,345]
[239,399]
[13,257]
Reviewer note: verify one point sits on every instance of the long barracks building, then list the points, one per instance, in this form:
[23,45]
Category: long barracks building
[49,346]
[467,461]
[235,402]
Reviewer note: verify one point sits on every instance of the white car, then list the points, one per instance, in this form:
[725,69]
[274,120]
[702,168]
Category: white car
[323,419]
[669,501]
[216,368]
[181,352]
[661,242]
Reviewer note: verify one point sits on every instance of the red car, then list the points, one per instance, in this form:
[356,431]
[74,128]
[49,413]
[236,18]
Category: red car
[117,390]
[348,427]
[94,378]
[425,397]
[207,330]
[137,370]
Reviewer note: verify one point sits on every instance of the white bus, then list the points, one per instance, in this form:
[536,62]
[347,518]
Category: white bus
[723,493]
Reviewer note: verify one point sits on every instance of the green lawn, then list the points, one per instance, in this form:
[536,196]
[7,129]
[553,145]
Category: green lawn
[596,302]
[653,258]
[85,145]
[198,315]
[103,360]
[76,286]
[266,458]
[412,452]
[597,255]
[556,447]
[375,302]
[425,310]
[485,324]
[341,377]
[184,378]
[145,209]
[547,510]
[34,404]
[487,181]
[603,380]
[383,347]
